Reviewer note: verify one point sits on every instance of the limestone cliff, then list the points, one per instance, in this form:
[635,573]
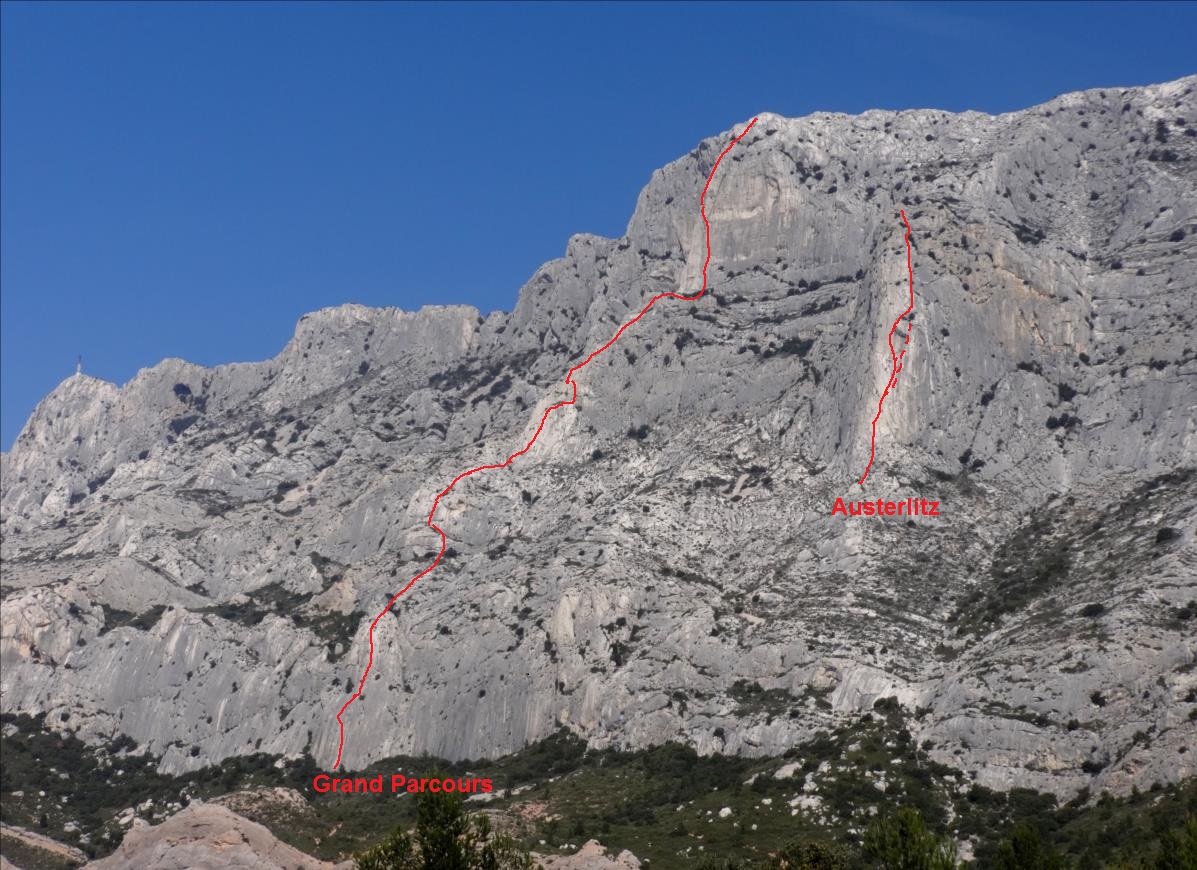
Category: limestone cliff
[193,559]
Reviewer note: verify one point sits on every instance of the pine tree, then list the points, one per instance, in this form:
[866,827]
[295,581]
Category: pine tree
[902,842]
[1178,850]
[1023,850]
[446,838]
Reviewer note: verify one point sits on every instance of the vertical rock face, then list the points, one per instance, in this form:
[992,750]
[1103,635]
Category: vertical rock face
[194,559]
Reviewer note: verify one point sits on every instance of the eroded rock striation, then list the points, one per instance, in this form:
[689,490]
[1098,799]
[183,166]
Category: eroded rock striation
[193,559]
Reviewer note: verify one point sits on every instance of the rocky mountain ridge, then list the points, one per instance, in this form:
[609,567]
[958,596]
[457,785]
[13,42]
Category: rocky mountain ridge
[192,559]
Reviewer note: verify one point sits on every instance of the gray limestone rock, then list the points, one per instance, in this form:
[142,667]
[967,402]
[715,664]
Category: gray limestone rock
[194,559]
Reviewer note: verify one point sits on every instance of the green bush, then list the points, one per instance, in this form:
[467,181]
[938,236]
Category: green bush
[808,856]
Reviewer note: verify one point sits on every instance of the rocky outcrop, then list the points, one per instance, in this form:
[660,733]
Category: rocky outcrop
[592,856]
[193,559]
[207,836]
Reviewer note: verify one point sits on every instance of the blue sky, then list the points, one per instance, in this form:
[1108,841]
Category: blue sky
[187,180]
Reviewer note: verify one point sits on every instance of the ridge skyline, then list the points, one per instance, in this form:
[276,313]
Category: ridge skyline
[202,215]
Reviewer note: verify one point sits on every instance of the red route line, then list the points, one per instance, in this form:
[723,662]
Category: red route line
[569,379]
[897,357]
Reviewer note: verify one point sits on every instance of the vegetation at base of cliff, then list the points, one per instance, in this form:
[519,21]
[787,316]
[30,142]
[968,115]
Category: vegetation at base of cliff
[666,804]
[55,784]
[448,837]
